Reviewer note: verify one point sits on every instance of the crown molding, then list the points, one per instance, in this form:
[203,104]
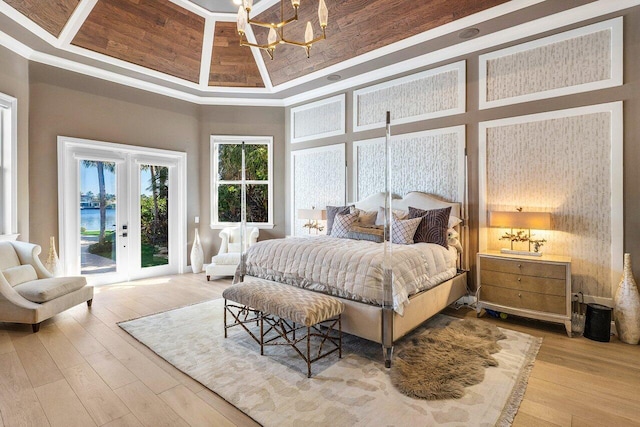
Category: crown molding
[209,95]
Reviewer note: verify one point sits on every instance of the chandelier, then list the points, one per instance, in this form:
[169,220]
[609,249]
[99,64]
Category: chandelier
[276,30]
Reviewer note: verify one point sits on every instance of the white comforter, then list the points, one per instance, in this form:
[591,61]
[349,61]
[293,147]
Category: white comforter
[351,268]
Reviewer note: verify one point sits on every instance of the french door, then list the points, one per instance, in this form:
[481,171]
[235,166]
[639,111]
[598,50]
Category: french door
[122,210]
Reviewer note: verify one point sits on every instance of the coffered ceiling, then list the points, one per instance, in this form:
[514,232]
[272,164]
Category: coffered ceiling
[191,49]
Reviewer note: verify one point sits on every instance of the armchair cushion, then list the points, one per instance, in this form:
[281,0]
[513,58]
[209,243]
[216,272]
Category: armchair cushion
[20,274]
[231,258]
[44,290]
[8,256]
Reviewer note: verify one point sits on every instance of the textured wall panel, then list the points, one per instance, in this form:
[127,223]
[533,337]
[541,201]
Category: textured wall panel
[425,95]
[318,119]
[587,58]
[423,161]
[562,166]
[318,180]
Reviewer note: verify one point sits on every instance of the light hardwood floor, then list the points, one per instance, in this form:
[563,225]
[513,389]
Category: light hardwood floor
[82,369]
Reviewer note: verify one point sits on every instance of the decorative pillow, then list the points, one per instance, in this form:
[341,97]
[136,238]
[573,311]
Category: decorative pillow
[397,214]
[453,221]
[433,227]
[20,274]
[332,211]
[370,233]
[403,230]
[366,217]
[342,224]
[452,239]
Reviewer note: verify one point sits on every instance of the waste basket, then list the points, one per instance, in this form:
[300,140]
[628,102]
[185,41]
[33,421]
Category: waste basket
[598,323]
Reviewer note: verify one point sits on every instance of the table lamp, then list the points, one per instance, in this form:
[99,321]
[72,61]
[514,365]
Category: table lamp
[523,222]
[313,216]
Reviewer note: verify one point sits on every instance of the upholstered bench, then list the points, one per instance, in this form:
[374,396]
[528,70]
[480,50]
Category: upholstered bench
[286,309]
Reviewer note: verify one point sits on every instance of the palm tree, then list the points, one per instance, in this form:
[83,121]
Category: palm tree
[100,167]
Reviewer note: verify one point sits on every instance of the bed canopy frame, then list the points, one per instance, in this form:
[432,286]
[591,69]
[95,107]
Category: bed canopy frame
[380,323]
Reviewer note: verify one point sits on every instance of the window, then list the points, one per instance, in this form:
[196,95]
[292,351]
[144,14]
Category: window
[8,178]
[226,180]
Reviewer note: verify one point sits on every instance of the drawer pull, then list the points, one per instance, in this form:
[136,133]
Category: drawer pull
[519,265]
[519,279]
[519,295]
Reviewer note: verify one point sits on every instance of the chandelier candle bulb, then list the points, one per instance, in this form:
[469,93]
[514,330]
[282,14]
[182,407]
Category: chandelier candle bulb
[308,34]
[295,3]
[241,20]
[248,4]
[323,14]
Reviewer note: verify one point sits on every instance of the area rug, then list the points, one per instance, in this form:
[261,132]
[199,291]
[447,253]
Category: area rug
[353,391]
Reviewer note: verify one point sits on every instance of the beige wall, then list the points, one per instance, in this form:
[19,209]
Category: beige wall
[14,81]
[70,104]
[245,121]
[74,105]
[629,93]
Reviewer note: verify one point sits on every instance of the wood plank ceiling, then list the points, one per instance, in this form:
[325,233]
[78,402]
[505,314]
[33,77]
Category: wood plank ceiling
[232,64]
[52,17]
[156,34]
[162,36]
[356,27]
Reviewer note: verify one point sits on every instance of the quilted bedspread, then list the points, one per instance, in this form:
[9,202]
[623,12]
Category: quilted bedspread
[351,269]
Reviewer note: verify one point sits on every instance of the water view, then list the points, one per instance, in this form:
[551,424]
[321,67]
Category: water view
[90,219]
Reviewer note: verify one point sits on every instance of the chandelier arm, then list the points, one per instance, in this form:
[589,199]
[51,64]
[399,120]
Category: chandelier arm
[272,25]
[260,46]
[295,43]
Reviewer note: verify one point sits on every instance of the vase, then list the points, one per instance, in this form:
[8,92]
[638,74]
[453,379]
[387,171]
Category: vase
[627,306]
[53,262]
[197,255]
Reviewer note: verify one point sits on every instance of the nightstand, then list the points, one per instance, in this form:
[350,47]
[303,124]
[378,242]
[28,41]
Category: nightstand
[533,287]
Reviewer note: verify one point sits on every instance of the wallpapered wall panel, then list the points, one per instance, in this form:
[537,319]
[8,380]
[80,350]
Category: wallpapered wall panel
[318,119]
[563,166]
[319,179]
[433,93]
[584,59]
[425,161]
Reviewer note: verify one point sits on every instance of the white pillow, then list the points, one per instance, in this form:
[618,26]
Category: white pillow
[20,274]
[453,221]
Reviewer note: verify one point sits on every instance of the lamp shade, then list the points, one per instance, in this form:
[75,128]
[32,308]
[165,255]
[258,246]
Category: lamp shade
[530,220]
[317,214]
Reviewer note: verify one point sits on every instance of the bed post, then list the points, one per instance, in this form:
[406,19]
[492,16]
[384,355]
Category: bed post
[243,216]
[387,280]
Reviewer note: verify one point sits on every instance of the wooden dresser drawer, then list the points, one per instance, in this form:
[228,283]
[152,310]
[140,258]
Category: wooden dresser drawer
[521,282]
[523,300]
[527,268]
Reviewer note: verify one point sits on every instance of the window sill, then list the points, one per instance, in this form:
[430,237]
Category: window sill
[220,226]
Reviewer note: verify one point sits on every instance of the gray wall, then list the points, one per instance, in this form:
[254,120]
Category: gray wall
[14,81]
[629,93]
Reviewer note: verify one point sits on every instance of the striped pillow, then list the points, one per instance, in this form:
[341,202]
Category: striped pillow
[403,230]
[433,227]
[342,224]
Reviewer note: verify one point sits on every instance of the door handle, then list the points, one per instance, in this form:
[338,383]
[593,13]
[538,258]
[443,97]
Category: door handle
[124,235]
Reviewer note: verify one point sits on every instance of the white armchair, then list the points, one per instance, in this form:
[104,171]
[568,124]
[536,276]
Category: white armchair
[29,293]
[228,258]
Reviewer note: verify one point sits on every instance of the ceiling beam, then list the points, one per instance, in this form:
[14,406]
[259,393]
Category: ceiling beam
[207,51]
[74,23]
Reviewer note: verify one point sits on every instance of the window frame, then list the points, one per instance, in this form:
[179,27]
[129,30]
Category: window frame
[216,140]
[8,166]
